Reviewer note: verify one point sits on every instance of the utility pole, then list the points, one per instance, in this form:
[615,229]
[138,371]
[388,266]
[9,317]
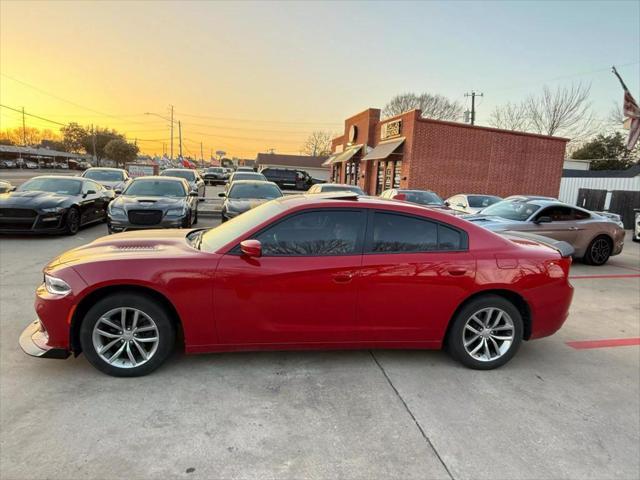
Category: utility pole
[171,132]
[24,130]
[201,156]
[93,144]
[473,96]
[180,134]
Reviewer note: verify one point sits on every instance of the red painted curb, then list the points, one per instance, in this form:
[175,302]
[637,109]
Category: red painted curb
[613,342]
[620,275]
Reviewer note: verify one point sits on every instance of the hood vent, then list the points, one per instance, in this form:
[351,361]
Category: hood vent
[133,248]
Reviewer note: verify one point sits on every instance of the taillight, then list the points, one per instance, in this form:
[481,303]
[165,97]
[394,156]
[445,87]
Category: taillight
[558,268]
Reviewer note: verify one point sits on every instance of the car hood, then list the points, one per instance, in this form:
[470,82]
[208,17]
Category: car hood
[494,223]
[147,203]
[33,199]
[244,204]
[110,184]
[151,244]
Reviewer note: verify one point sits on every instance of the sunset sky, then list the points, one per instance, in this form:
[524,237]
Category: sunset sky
[245,77]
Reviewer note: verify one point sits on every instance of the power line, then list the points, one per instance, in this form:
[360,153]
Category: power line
[22,112]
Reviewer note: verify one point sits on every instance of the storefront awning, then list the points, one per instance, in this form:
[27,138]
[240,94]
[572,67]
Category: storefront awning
[384,149]
[347,154]
[329,160]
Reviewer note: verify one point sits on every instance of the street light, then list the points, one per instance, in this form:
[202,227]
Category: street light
[171,120]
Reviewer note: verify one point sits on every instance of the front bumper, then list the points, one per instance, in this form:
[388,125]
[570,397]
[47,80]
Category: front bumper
[125,226]
[33,341]
[40,223]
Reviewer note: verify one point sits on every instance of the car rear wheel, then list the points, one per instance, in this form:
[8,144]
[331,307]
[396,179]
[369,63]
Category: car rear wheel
[127,335]
[598,251]
[486,333]
[72,224]
[195,217]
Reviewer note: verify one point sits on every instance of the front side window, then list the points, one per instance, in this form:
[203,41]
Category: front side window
[315,233]
[557,213]
[393,233]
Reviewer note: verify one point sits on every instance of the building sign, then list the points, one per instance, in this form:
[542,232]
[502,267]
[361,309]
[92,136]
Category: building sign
[140,170]
[353,134]
[390,129]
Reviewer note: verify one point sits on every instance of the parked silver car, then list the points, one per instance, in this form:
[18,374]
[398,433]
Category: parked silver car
[470,202]
[594,238]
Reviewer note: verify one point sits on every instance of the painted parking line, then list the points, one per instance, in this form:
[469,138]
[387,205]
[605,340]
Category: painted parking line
[618,275]
[612,342]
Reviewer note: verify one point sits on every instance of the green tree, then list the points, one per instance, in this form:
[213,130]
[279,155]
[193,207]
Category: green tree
[608,152]
[121,151]
[101,137]
[73,136]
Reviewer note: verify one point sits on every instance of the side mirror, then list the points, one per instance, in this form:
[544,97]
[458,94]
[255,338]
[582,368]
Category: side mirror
[222,194]
[88,192]
[543,219]
[251,248]
[399,196]
[193,193]
[446,203]
[117,192]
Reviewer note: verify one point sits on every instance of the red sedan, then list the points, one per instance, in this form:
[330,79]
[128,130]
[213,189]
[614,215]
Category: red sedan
[303,272]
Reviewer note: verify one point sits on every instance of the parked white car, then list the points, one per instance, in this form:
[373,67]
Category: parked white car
[471,202]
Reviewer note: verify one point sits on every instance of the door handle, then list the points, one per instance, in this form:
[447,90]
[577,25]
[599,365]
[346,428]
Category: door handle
[574,228]
[457,271]
[342,277]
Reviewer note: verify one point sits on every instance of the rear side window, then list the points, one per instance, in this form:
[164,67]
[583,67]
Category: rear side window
[315,233]
[393,233]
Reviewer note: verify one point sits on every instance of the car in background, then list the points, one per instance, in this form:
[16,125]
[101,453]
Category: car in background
[531,197]
[115,179]
[335,187]
[6,186]
[154,202]
[245,169]
[8,164]
[426,198]
[53,204]
[30,165]
[593,237]
[123,301]
[215,176]
[470,202]
[196,182]
[244,195]
[234,177]
[288,178]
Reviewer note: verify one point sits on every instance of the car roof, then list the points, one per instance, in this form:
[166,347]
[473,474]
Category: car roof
[162,178]
[411,190]
[178,170]
[106,168]
[531,197]
[337,185]
[65,177]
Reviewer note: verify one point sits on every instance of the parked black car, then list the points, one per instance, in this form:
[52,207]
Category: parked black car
[196,182]
[215,176]
[244,195]
[53,204]
[288,179]
[111,178]
[154,202]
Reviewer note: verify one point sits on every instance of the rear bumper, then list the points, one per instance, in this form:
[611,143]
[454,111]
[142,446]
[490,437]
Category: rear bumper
[33,341]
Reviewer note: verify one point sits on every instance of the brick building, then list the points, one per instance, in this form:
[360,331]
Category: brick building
[407,151]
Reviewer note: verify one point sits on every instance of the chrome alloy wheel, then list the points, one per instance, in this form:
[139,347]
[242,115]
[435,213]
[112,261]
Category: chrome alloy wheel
[488,334]
[125,337]
[600,251]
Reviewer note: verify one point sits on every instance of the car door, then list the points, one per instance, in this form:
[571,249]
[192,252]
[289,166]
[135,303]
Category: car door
[415,273]
[301,290]
[562,226]
[88,201]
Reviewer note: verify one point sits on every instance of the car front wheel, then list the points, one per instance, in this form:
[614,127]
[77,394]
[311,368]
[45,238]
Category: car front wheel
[598,251]
[486,333]
[72,221]
[127,335]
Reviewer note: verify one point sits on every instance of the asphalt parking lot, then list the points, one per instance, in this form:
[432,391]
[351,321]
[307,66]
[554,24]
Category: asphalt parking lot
[553,412]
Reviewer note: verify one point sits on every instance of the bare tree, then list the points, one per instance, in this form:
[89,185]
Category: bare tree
[511,116]
[432,106]
[318,144]
[616,117]
[565,111]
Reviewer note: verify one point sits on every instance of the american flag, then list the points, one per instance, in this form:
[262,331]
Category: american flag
[630,110]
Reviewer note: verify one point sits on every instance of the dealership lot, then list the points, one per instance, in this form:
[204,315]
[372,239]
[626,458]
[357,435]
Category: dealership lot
[553,412]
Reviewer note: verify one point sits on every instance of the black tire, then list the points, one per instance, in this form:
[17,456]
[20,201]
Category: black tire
[147,305]
[598,251]
[456,336]
[195,218]
[223,219]
[72,221]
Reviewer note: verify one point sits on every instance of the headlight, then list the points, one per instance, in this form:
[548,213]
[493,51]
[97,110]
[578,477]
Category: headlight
[56,286]
[117,212]
[176,212]
[53,210]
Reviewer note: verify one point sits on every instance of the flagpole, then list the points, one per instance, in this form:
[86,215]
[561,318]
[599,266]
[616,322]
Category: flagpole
[615,72]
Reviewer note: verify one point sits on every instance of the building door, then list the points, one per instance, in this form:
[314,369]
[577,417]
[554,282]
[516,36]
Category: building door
[591,199]
[380,177]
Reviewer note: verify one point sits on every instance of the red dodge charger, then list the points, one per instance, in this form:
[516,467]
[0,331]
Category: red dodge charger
[329,271]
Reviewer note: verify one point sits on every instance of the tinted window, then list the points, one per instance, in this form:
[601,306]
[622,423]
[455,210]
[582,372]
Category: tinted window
[580,215]
[91,186]
[400,233]
[254,190]
[247,176]
[323,232]
[482,201]
[54,185]
[422,198]
[188,175]
[557,213]
[156,188]
[104,175]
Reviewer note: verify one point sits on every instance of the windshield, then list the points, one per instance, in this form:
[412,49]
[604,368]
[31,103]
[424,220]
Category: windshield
[342,188]
[186,174]
[511,210]
[217,237]
[214,170]
[104,175]
[248,176]
[63,186]
[482,201]
[156,188]
[423,198]
[254,190]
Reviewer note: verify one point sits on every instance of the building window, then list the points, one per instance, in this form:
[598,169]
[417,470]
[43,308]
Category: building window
[388,175]
[380,178]
[398,173]
[352,169]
